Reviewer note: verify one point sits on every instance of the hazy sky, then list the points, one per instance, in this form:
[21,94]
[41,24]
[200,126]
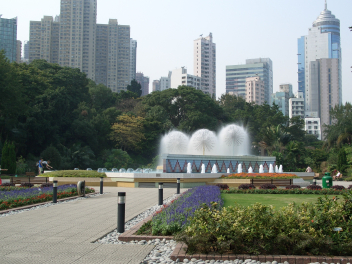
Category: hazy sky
[242,29]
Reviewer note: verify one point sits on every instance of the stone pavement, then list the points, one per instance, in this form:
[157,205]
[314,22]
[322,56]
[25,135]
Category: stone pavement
[63,233]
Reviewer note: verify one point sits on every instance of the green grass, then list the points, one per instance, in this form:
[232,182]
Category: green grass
[277,200]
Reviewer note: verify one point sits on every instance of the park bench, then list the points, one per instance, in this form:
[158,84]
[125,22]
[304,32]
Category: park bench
[276,182]
[29,179]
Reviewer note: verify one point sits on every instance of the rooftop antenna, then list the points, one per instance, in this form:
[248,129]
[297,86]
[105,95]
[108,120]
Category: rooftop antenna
[326,6]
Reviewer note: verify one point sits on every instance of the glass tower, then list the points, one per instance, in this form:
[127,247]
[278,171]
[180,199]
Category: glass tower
[8,37]
[322,42]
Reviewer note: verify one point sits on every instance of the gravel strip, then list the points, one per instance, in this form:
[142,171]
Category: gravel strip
[47,205]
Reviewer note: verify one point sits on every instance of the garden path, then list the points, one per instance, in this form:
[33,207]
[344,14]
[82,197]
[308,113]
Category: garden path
[63,233]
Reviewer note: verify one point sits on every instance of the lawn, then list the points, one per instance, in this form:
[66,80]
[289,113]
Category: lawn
[277,200]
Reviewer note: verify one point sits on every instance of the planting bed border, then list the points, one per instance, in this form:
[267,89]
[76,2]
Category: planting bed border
[180,252]
[36,204]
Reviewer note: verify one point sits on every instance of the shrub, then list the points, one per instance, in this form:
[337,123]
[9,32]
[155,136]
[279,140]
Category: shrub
[267,186]
[293,187]
[46,185]
[349,187]
[74,173]
[338,187]
[8,158]
[222,186]
[27,184]
[246,186]
[314,187]
[7,184]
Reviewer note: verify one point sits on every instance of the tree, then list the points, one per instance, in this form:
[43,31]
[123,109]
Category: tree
[127,132]
[8,158]
[342,160]
[117,158]
[51,153]
[135,87]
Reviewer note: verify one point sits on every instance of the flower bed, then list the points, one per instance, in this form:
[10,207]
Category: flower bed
[11,197]
[323,228]
[285,191]
[173,218]
[260,176]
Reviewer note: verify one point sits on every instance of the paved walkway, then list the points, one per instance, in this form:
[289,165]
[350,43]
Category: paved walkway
[63,233]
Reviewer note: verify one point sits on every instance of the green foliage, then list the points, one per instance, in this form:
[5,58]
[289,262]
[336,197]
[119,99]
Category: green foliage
[53,155]
[342,160]
[21,165]
[328,191]
[117,158]
[74,173]
[135,87]
[259,229]
[8,158]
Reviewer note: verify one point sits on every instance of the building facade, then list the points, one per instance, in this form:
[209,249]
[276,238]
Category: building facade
[296,105]
[281,98]
[312,126]
[26,51]
[156,85]
[78,35]
[319,53]
[19,51]
[236,76]
[133,59]
[144,82]
[180,77]
[255,91]
[8,37]
[204,63]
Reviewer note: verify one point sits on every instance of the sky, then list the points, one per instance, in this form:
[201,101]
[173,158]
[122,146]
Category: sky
[165,30]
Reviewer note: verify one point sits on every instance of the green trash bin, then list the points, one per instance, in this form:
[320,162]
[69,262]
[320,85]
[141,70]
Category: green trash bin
[327,180]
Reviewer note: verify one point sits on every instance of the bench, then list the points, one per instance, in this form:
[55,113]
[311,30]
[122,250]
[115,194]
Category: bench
[29,179]
[276,182]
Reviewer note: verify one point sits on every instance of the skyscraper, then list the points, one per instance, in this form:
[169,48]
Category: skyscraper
[236,77]
[26,51]
[78,35]
[133,58]
[112,60]
[319,66]
[144,82]
[44,40]
[19,51]
[204,63]
[8,37]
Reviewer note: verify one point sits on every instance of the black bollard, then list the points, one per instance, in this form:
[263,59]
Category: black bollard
[121,212]
[178,186]
[101,185]
[54,191]
[161,186]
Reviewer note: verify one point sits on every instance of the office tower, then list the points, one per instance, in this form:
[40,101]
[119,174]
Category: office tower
[133,58]
[144,82]
[165,82]
[296,105]
[204,63]
[156,85]
[180,77]
[281,98]
[319,53]
[236,76]
[8,37]
[44,40]
[26,51]
[78,35]
[112,61]
[18,51]
[255,90]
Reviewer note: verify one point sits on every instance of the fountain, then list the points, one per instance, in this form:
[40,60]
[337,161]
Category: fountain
[189,167]
[261,168]
[239,169]
[214,169]
[203,168]
[250,170]
[280,169]
[276,169]
[228,170]
[271,168]
[204,149]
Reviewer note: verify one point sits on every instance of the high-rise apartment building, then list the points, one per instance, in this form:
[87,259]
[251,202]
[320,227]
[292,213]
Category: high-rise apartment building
[133,59]
[112,61]
[296,105]
[312,126]
[255,90]
[78,35]
[156,85]
[281,98]
[319,66]
[26,51]
[8,37]
[144,82]
[19,51]
[44,40]
[204,63]
[236,76]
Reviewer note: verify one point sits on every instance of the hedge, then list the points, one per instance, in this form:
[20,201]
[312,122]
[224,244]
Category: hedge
[74,173]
